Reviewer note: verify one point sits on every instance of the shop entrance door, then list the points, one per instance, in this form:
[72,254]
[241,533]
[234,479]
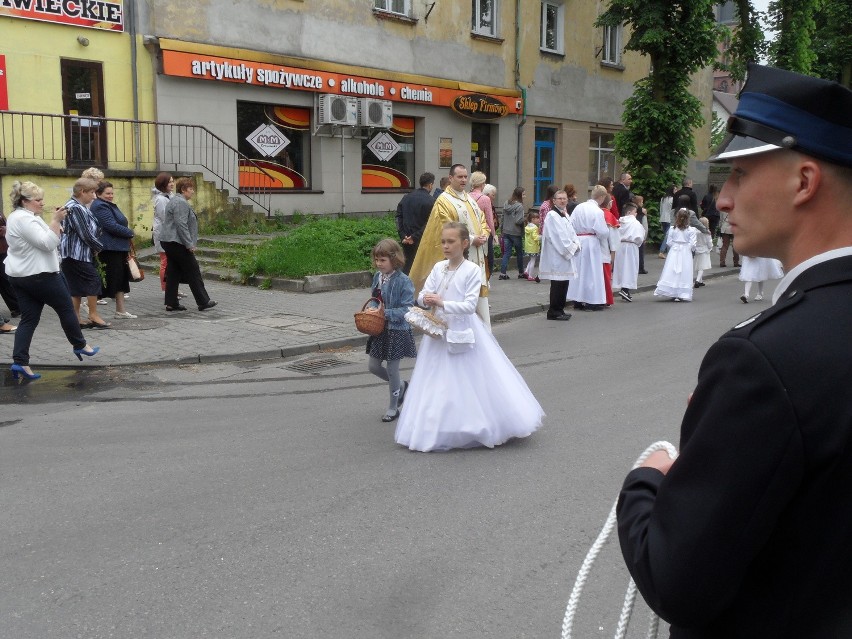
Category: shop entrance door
[545,154]
[83,101]
[480,149]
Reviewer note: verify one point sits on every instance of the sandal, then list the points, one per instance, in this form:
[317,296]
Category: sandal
[390,418]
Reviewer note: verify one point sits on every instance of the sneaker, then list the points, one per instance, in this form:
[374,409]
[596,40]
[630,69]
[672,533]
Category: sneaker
[124,315]
[758,298]
[127,296]
[522,276]
[743,299]
[503,276]
[102,302]
[625,295]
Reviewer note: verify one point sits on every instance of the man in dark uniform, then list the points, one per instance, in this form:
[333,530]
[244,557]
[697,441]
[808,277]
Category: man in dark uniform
[621,191]
[686,190]
[749,532]
[412,213]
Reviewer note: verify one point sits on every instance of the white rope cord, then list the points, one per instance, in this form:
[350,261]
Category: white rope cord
[586,567]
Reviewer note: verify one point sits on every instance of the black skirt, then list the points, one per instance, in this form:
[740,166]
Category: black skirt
[391,345]
[116,272]
[82,277]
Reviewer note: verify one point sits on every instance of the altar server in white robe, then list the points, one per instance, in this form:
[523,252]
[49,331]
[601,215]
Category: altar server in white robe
[559,246]
[587,290]
[631,235]
[457,397]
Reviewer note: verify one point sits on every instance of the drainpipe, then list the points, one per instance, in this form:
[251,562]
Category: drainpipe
[523,120]
[131,27]
[342,175]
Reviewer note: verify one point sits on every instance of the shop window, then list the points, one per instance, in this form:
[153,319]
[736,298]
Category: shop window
[612,45]
[485,17]
[552,23]
[387,157]
[278,139]
[601,156]
[402,7]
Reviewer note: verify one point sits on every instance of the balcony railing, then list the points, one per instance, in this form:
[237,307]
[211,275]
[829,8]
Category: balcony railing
[62,141]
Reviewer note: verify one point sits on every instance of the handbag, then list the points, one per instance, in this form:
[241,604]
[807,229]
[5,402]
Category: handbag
[371,322]
[460,341]
[136,273]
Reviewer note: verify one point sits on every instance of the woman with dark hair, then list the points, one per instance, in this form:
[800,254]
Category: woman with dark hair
[514,220]
[164,186]
[116,241]
[178,237]
[78,248]
[571,192]
[546,205]
[32,265]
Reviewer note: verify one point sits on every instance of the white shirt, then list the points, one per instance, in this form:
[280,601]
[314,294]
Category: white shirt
[32,245]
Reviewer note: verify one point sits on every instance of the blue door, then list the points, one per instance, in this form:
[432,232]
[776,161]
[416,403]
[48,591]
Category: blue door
[545,152]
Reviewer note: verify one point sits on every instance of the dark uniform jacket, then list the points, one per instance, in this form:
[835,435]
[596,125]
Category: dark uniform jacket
[412,213]
[750,533]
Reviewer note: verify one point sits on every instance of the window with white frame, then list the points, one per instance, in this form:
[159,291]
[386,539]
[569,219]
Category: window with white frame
[612,45]
[552,23]
[484,17]
[402,7]
[601,156]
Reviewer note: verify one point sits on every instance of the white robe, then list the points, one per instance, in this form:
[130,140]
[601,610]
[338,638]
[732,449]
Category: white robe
[589,223]
[760,269]
[625,271]
[559,245]
[703,246]
[676,278]
[465,399]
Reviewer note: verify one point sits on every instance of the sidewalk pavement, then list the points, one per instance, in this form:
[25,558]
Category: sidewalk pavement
[253,324]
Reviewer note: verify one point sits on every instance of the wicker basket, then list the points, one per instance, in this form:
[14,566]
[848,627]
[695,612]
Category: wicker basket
[426,322]
[373,322]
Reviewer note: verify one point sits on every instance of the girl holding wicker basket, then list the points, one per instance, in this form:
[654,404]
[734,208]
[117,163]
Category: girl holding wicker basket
[458,396]
[396,292]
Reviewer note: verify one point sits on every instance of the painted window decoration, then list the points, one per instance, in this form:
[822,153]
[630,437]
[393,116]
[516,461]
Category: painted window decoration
[612,45]
[392,6]
[387,157]
[552,21]
[485,17]
[277,140]
[601,156]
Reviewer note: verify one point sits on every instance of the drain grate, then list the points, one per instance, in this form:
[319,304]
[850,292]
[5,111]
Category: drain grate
[315,365]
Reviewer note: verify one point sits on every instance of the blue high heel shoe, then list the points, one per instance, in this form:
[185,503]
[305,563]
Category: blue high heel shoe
[18,370]
[79,352]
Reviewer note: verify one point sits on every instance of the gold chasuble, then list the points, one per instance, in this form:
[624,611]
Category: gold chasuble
[449,207]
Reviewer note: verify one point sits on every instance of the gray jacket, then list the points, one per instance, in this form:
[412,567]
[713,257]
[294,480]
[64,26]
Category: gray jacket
[513,219]
[180,224]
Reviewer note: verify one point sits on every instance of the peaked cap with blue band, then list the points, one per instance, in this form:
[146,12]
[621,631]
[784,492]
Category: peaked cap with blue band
[784,110]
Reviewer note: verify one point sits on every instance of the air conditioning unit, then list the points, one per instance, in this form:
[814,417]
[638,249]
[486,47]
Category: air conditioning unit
[377,114]
[338,109]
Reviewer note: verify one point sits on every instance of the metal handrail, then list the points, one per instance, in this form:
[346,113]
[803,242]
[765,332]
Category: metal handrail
[61,141]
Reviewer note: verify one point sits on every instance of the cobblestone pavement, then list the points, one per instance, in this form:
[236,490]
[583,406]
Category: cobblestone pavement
[249,323]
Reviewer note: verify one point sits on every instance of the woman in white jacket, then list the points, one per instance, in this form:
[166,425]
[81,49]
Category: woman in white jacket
[559,244]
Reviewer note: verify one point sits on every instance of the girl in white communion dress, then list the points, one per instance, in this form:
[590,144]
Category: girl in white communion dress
[464,391]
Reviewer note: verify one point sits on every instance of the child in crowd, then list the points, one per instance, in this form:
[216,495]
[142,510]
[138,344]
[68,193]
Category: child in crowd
[703,248]
[396,291]
[758,269]
[625,273]
[532,245]
[676,279]
[458,396]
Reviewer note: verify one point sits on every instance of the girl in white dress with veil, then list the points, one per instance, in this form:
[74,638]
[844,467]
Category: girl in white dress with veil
[464,391]
[676,279]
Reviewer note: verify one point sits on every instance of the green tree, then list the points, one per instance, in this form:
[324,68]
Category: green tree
[833,46]
[748,43]
[793,22]
[679,37]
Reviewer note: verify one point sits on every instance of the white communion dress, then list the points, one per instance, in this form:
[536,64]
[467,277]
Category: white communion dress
[463,393]
[760,269]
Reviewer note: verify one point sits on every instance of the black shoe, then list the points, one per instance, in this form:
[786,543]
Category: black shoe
[179,307]
[209,304]
[537,281]
[390,418]
[743,299]
[15,314]
[699,284]
[503,276]
[563,318]
[625,295]
[643,272]
[579,306]
[521,276]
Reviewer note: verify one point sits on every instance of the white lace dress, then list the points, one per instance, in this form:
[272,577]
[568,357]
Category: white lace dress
[472,397]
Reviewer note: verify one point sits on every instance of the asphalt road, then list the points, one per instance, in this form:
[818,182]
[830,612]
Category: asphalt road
[259,500]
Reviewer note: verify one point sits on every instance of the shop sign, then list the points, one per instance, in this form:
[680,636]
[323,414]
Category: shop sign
[4,91]
[220,69]
[93,14]
[268,140]
[477,106]
[383,146]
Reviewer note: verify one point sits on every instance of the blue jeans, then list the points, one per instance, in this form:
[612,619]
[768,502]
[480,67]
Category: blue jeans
[508,242]
[34,292]
[665,226]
